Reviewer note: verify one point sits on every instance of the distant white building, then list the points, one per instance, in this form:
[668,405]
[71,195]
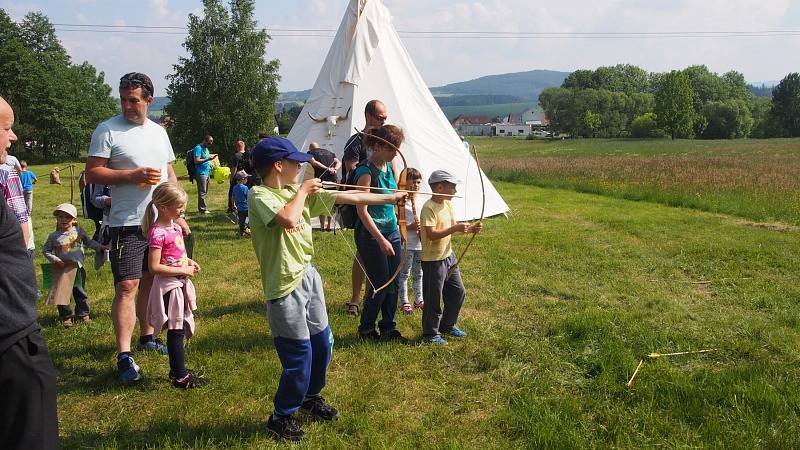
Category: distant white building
[508,129]
[533,117]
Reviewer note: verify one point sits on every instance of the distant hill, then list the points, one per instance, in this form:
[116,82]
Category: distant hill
[493,95]
[525,85]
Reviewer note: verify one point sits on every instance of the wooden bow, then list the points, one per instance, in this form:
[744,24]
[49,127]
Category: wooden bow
[483,210]
[402,183]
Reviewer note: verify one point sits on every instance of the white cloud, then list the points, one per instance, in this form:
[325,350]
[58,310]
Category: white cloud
[159,7]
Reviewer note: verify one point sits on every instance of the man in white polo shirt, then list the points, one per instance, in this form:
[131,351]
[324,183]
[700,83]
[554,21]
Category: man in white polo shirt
[133,154]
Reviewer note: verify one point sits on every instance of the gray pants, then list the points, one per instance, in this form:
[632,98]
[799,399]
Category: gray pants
[202,190]
[302,313]
[438,289]
[28,195]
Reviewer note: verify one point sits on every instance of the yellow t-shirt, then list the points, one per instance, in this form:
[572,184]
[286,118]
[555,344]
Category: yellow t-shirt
[438,216]
[283,254]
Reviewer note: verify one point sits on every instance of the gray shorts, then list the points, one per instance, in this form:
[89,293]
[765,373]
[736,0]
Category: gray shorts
[302,313]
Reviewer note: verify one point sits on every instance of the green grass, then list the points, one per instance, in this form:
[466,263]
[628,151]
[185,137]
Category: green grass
[563,299]
[754,179]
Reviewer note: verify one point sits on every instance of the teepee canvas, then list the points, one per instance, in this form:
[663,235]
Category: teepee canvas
[368,61]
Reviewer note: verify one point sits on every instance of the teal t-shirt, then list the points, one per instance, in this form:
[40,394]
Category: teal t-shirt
[283,254]
[383,215]
[200,151]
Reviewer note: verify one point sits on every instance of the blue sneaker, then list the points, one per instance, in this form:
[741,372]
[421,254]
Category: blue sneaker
[128,370]
[437,340]
[153,346]
[456,332]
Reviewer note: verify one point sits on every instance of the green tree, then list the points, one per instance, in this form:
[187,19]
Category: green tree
[591,122]
[224,87]
[764,124]
[673,105]
[57,104]
[646,126]
[786,104]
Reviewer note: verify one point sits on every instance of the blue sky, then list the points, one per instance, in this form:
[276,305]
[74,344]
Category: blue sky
[443,61]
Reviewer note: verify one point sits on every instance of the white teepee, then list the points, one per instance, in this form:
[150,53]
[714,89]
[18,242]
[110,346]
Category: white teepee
[368,61]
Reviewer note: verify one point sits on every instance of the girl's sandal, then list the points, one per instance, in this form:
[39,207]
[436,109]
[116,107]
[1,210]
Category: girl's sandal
[419,305]
[408,309]
[352,309]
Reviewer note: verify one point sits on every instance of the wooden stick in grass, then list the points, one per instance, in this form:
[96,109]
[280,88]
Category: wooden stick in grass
[659,355]
[630,382]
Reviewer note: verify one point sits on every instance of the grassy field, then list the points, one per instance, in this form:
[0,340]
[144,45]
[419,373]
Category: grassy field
[754,179]
[563,300]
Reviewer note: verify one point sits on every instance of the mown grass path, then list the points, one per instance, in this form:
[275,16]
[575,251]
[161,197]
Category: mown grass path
[564,297]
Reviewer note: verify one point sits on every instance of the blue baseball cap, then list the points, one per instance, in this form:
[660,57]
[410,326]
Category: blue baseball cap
[271,149]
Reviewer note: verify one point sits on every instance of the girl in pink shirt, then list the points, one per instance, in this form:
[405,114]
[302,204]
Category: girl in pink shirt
[172,297]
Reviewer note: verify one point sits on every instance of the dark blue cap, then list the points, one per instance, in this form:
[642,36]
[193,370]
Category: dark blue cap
[271,149]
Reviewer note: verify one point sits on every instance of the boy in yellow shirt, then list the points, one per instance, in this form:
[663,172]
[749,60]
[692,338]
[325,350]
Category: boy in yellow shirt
[440,284]
[280,212]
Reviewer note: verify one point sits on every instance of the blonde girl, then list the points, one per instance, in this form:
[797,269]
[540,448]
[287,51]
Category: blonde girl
[172,297]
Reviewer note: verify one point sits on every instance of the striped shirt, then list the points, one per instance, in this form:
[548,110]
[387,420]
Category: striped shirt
[12,191]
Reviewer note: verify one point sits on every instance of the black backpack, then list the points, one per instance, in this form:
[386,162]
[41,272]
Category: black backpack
[89,210]
[190,168]
[347,214]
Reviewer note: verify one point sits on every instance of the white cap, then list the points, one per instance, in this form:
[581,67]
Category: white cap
[68,208]
[442,175]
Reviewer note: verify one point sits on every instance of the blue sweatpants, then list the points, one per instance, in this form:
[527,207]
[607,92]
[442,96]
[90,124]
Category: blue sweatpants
[303,340]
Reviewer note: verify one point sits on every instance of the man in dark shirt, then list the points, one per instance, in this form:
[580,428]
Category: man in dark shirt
[354,153]
[27,377]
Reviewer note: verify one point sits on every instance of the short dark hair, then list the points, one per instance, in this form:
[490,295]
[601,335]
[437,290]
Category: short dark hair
[133,80]
[413,174]
[371,107]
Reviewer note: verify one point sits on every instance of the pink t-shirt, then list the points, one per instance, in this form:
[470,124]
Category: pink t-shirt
[170,241]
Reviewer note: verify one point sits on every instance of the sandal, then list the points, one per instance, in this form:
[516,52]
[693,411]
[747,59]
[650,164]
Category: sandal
[408,309]
[352,308]
[419,305]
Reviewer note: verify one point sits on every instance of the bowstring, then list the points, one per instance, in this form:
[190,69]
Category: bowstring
[353,250]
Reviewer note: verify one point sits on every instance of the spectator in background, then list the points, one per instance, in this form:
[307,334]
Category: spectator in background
[326,165]
[240,196]
[28,417]
[236,161]
[28,179]
[202,164]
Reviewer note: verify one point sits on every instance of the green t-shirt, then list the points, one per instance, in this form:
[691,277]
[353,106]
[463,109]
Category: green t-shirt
[383,215]
[283,254]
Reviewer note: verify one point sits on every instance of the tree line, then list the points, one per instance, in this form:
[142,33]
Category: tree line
[223,87]
[57,104]
[625,100]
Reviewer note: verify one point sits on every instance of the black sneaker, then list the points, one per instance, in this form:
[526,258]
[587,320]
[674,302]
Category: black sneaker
[393,336]
[284,428]
[371,336]
[319,408]
[190,381]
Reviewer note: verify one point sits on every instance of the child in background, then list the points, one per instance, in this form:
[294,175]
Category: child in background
[240,200]
[413,262]
[172,297]
[28,179]
[280,220]
[65,246]
[441,281]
